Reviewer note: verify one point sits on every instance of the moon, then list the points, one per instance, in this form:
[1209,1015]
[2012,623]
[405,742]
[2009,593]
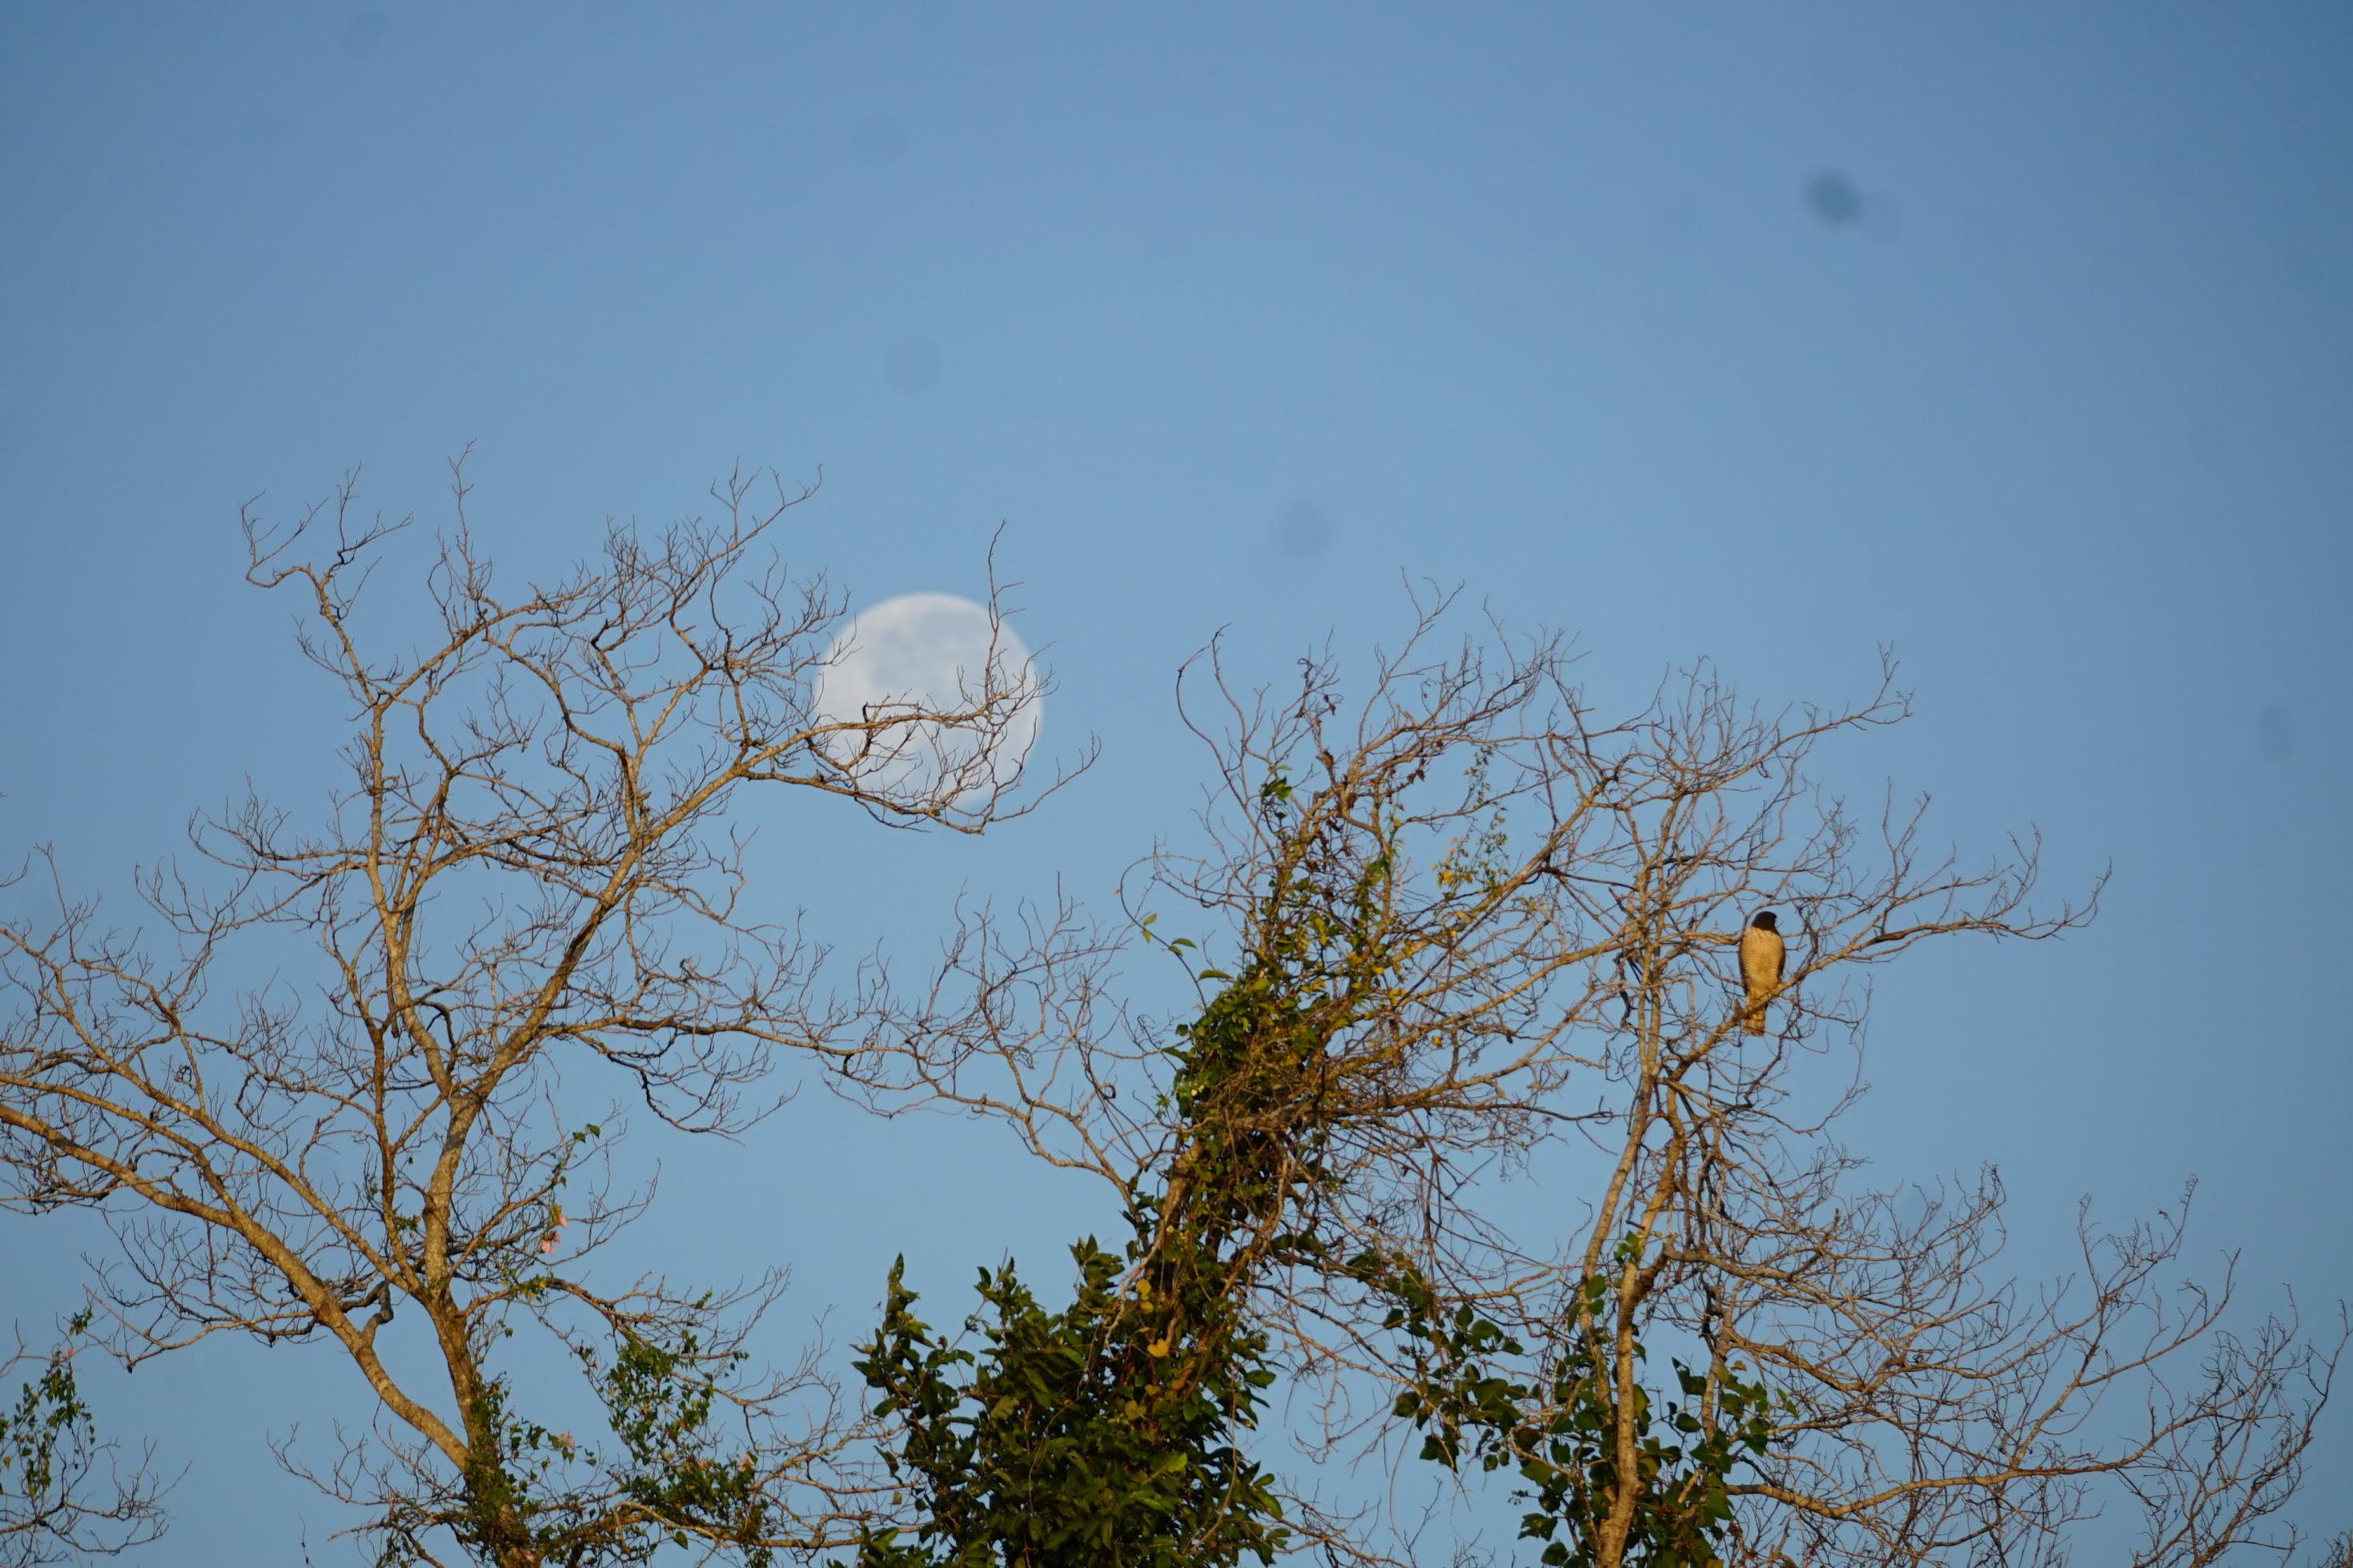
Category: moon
[928,652]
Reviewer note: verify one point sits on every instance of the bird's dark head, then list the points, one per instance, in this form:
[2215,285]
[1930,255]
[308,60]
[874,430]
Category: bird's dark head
[1767,920]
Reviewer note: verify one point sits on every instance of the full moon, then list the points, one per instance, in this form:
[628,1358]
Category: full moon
[928,652]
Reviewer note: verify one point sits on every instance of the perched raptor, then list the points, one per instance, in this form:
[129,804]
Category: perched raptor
[1763,961]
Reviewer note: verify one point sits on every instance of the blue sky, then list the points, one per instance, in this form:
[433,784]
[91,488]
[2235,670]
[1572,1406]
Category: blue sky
[2019,337]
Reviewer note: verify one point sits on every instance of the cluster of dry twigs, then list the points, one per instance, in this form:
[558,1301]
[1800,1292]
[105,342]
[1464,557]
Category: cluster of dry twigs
[1527,910]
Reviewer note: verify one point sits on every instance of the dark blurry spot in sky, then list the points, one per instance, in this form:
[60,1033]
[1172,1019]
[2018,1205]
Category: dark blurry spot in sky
[912,366]
[1304,530]
[877,140]
[2274,732]
[364,34]
[1834,199]
[1250,460]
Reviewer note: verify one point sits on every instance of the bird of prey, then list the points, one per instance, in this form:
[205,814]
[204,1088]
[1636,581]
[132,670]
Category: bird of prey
[1763,961]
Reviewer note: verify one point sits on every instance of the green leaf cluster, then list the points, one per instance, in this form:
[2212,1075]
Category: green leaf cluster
[1559,1429]
[1108,1432]
[48,1421]
[1100,1433]
[669,1481]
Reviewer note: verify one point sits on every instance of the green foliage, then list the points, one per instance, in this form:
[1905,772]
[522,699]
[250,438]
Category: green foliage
[47,1425]
[1559,1429]
[1100,1433]
[536,1496]
[1107,1433]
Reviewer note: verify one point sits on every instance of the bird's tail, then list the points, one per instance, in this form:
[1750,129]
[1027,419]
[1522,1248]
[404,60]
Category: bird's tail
[1755,1022]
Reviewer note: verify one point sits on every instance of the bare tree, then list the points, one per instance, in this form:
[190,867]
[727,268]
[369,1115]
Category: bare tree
[1460,930]
[530,877]
[1482,931]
